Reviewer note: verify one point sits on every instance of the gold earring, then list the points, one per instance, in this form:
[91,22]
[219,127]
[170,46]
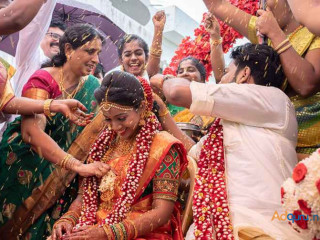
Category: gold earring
[142,120]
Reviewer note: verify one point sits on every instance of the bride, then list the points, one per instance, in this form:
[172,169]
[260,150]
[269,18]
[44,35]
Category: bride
[137,197]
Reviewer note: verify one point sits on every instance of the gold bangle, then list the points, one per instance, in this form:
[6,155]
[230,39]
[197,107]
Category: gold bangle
[108,232]
[163,113]
[120,231]
[215,43]
[69,164]
[70,218]
[73,213]
[46,108]
[285,48]
[123,229]
[281,44]
[134,228]
[154,55]
[155,52]
[65,160]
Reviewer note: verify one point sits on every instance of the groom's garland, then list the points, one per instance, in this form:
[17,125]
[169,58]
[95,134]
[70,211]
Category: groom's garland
[210,201]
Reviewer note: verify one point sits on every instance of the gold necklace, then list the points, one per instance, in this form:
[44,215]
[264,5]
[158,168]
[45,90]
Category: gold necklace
[120,148]
[64,91]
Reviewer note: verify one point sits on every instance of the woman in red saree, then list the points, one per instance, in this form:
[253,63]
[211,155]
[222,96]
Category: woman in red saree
[136,199]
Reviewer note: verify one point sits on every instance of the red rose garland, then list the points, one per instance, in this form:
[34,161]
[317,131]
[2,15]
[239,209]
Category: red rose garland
[147,92]
[210,201]
[200,46]
[135,170]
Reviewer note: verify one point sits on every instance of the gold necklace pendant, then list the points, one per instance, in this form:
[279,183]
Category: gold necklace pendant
[64,92]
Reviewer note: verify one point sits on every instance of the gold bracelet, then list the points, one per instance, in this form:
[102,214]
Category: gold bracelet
[108,232]
[285,48]
[155,56]
[73,213]
[123,229]
[155,52]
[70,218]
[70,163]
[215,43]
[163,113]
[281,44]
[46,108]
[120,231]
[134,228]
[65,160]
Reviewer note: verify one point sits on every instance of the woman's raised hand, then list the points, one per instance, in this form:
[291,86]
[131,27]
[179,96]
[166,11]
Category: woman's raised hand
[159,20]
[73,110]
[212,26]
[97,169]
[61,228]
[267,24]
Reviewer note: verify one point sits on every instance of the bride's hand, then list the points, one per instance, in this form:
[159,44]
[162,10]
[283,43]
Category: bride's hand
[159,101]
[97,169]
[73,110]
[60,228]
[87,232]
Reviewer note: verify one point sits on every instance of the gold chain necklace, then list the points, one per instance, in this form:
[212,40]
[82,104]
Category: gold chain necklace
[64,91]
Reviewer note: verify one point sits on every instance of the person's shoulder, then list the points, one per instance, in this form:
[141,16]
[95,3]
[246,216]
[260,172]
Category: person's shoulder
[93,79]
[164,140]
[165,136]
[45,74]
[118,68]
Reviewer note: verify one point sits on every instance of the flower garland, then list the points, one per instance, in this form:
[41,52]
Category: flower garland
[199,47]
[301,196]
[210,202]
[128,189]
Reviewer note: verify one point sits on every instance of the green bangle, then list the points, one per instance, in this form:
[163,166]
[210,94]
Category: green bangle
[122,227]
[115,232]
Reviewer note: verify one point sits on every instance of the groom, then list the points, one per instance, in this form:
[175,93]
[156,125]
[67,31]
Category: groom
[259,138]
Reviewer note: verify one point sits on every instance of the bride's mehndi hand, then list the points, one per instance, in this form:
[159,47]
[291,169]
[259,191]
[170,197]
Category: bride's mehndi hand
[86,232]
[60,228]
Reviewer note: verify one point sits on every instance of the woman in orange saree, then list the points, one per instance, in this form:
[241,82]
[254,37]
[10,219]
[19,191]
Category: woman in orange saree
[136,199]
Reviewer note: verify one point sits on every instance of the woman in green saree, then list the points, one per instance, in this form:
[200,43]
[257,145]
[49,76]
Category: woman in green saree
[9,104]
[33,149]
